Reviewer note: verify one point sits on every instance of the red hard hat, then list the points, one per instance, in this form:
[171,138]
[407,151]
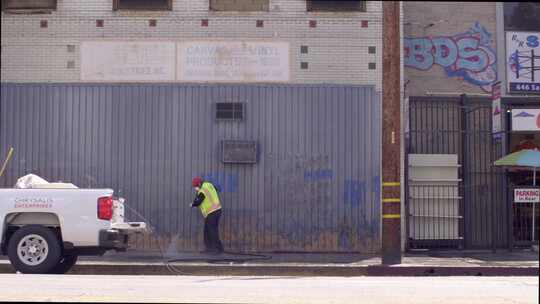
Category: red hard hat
[196,182]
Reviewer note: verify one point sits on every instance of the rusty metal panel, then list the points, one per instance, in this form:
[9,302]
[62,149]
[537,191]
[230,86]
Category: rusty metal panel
[315,186]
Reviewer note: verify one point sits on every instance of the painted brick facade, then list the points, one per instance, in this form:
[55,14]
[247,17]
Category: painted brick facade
[338,45]
[447,23]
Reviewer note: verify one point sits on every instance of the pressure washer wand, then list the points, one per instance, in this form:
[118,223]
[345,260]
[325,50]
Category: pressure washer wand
[10,153]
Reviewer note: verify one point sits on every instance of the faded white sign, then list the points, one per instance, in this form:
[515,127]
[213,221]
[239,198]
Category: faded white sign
[128,61]
[233,61]
[525,119]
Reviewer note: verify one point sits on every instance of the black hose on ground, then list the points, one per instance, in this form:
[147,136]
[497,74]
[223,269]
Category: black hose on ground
[220,259]
[169,267]
[214,259]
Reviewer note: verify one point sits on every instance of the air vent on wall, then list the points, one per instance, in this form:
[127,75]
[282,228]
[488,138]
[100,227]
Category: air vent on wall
[229,111]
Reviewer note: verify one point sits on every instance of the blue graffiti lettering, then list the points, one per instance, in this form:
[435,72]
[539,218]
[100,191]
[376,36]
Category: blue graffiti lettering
[375,220]
[376,186]
[223,181]
[418,53]
[233,181]
[354,192]
[344,240]
[318,175]
[468,55]
[446,51]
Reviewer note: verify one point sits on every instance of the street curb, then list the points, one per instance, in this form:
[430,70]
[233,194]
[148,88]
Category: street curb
[280,270]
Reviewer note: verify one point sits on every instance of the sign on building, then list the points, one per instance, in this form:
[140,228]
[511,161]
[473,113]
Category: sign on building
[128,61]
[527,195]
[496,111]
[525,119]
[523,62]
[190,61]
[233,61]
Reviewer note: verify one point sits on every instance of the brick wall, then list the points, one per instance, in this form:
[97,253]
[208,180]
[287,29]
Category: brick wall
[337,46]
[449,20]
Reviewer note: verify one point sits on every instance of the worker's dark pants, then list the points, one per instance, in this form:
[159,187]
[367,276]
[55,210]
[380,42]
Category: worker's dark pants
[211,232]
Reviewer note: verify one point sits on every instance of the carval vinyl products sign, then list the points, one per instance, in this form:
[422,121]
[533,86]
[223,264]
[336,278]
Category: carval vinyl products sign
[525,119]
[233,61]
[523,62]
[186,61]
[527,195]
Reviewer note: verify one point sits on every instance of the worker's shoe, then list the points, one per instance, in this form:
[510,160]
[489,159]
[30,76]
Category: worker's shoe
[215,252]
[212,252]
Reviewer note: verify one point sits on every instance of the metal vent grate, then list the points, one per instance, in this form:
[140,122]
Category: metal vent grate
[230,111]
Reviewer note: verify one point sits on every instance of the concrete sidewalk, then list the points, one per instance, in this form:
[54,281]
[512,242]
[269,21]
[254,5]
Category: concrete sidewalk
[440,263]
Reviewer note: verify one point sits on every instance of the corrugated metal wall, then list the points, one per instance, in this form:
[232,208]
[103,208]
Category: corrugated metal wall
[315,188]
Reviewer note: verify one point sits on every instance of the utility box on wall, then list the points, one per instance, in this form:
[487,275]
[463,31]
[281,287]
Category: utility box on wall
[239,152]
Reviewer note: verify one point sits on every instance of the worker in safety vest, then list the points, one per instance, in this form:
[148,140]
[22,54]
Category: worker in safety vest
[207,200]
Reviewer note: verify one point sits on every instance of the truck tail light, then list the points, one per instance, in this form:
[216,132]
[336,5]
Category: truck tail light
[105,208]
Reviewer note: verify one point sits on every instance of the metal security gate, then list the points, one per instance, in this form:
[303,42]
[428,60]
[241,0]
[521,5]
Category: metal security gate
[315,186]
[455,197]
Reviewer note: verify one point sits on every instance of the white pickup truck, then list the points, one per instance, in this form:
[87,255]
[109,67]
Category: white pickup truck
[46,226]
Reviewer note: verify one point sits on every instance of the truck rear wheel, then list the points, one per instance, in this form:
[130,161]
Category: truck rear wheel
[34,249]
[65,264]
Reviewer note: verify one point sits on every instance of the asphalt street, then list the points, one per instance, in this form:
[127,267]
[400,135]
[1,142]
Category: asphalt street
[226,289]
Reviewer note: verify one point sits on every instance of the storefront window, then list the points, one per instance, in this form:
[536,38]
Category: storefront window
[521,16]
[523,178]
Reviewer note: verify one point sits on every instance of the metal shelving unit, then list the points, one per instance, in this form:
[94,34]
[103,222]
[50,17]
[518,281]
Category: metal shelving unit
[434,198]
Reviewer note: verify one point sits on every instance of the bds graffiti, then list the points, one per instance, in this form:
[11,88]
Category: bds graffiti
[465,53]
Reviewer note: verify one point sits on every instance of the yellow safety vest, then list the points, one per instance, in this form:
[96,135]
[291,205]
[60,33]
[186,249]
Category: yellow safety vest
[211,201]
